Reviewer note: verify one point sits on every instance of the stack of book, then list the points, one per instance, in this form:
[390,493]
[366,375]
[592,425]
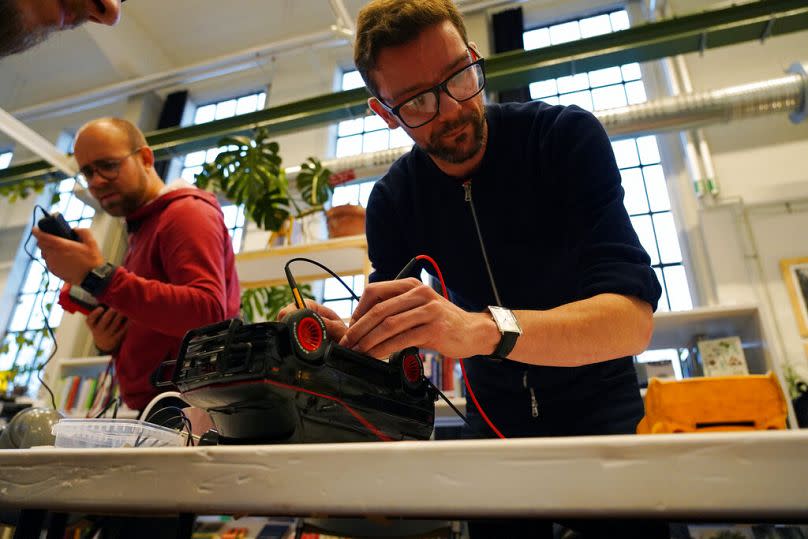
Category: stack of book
[445,373]
[84,395]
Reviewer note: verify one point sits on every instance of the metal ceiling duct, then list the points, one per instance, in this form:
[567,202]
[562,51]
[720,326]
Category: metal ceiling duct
[788,94]
[785,95]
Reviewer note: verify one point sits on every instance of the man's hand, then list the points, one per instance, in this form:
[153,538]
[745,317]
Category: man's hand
[69,260]
[108,328]
[393,315]
[334,326]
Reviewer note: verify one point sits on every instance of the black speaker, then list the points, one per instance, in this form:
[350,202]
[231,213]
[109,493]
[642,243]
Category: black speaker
[170,116]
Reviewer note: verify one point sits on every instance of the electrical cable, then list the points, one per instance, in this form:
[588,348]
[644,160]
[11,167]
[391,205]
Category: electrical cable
[462,366]
[114,400]
[293,284]
[365,422]
[42,305]
[102,382]
[467,187]
[179,414]
[452,406]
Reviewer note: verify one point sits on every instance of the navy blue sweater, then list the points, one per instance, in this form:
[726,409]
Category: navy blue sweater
[550,207]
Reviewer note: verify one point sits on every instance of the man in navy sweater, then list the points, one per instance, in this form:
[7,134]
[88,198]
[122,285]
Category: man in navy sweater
[522,208]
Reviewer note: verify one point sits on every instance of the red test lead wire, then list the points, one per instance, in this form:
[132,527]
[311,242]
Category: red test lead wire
[462,367]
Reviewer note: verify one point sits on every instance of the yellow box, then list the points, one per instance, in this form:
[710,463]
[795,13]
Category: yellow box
[721,403]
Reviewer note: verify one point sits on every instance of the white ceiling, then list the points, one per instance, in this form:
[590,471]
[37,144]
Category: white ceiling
[154,36]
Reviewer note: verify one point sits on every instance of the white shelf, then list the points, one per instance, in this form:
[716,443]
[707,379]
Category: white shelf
[718,476]
[677,329]
[84,362]
[345,256]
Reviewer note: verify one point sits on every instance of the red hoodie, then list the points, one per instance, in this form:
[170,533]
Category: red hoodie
[179,274]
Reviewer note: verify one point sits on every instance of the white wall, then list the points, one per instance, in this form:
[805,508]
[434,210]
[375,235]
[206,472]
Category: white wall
[759,216]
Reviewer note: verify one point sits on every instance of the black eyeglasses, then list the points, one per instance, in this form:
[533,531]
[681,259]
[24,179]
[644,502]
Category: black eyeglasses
[461,86]
[109,169]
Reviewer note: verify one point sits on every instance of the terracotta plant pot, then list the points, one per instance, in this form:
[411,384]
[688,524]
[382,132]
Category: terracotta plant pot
[347,220]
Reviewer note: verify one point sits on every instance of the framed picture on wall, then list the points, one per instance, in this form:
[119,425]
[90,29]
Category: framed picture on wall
[795,274]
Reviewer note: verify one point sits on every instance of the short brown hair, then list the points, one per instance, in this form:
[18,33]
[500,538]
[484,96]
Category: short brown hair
[389,23]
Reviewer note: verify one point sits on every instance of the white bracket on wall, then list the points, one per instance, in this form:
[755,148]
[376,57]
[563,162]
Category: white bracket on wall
[800,69]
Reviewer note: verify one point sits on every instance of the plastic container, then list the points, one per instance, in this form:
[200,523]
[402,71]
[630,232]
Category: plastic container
[114,433]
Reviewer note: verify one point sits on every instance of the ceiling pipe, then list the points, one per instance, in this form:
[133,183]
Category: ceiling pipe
[216,67]
[472,7]
[687,111]
[787,95]
[343,17]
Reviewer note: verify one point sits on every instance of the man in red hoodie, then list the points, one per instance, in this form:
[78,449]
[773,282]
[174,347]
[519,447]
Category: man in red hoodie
[179,272]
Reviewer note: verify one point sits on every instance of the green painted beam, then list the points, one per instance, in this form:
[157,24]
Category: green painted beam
[679,35]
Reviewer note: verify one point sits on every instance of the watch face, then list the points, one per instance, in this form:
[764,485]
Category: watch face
[505,320]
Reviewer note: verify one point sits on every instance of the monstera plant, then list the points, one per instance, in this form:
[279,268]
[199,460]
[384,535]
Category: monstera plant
[249,172]
[313,185]
[265,303]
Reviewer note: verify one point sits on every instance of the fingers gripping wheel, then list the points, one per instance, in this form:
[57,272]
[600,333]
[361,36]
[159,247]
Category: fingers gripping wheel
[307,334]
[411,369]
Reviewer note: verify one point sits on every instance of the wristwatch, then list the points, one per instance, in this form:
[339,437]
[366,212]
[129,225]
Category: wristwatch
[98,279]
[508,327]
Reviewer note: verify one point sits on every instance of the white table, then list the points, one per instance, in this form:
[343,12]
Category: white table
[717,476]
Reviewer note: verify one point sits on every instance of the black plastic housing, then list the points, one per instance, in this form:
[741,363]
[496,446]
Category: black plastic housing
[259,386]
[55,224]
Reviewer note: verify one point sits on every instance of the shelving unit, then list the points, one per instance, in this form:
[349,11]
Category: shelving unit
[86,367]
[679,329]
[345,256]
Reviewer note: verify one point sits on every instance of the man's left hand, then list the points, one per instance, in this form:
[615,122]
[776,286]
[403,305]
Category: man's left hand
[393,315]
[69,260]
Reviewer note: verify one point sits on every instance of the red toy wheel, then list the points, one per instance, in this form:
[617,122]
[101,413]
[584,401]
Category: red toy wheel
[307,334]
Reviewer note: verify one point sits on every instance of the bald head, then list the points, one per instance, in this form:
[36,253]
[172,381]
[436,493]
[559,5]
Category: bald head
[117,165]
[114,129]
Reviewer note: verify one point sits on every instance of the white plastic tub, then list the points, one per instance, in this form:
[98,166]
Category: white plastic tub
[114,433]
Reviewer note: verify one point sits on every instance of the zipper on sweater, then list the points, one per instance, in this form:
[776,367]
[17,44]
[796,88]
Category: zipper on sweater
[467,189]
[534,404]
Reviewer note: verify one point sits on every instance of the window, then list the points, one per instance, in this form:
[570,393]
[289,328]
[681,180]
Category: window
[368,134]
[646,194]
[192,163]
[5,159]
[27,342]
[360,135]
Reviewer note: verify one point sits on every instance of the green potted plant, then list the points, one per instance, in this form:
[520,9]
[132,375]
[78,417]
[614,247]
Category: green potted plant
[265,303]
[315,191]
[248,172]
[315,188]
[798,392]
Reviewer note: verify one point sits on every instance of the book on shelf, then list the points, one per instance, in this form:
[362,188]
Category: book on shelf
[78,395]
[722,357]
[444,373]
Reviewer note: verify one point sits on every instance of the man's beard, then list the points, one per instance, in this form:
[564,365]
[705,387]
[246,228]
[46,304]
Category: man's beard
[448,150]
[16,37]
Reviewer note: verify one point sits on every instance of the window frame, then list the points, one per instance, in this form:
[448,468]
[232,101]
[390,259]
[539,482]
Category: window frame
[238,226]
